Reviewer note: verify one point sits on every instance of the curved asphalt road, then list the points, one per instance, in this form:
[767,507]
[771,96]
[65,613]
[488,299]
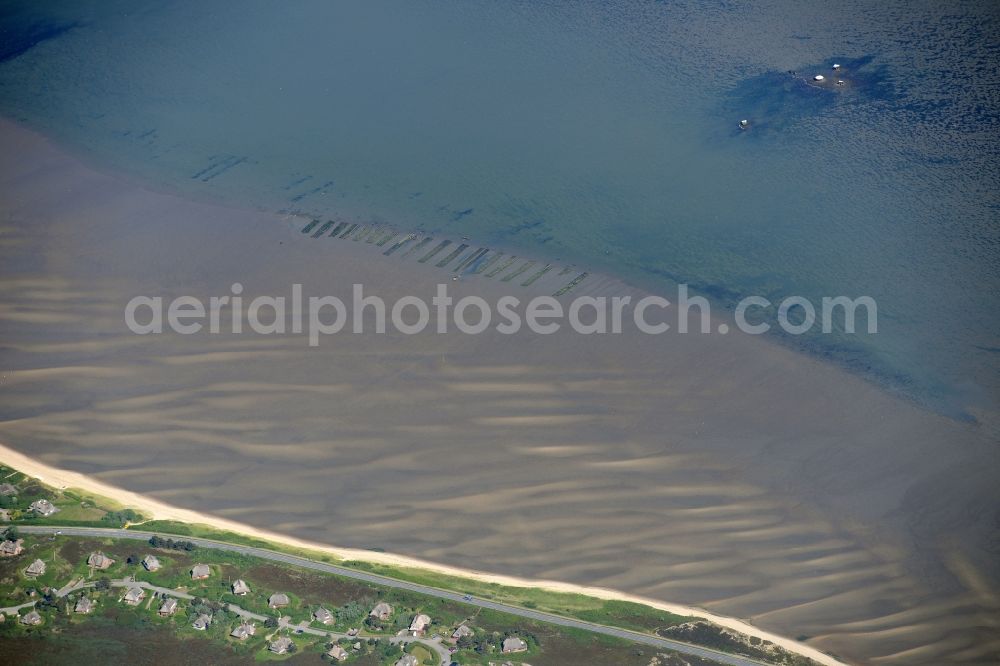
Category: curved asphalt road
[263,553]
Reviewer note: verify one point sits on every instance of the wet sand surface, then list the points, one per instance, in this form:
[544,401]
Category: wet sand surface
[719,471]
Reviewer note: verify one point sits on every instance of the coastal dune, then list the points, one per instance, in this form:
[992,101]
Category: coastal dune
[725,473]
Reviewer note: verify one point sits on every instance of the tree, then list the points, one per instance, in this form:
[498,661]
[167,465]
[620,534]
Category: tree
[12,533]
[133,559]
[102,584]
[271,623]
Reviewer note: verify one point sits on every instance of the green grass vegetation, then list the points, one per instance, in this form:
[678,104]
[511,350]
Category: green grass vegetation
[309,590]
[622,614]
[117,626]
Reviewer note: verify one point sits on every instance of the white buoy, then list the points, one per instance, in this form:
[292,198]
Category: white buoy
[744,124]
[819,77]
[836,66]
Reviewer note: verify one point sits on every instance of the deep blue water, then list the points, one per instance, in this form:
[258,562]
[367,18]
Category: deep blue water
[601,132]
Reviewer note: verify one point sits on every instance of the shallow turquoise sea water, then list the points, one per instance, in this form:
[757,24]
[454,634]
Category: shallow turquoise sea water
[597,132]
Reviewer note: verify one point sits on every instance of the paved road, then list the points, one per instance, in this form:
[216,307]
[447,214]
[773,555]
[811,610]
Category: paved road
[263,553]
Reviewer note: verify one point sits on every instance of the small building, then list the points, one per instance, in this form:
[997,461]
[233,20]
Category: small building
[382,611]
[43,508]
[151,563]
[243,631]
[278,600]
[280,645]
[134,596]
[201,624]
[83,605]
[200,572]
[31,619]
[168,607]
[408,660]
[7,489]
[99,561]
[11,548]
[241,588]
[463,630]
[36,568]
[419,624]
[324,616]
[337,652]
[514,644]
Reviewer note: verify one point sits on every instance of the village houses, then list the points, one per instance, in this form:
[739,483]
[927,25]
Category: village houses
[419,624]
[382,611]
[43,508]
[11,548]
[99,561]
[168,607]
[134,596]
[280,645]
[514,644]
[36,568]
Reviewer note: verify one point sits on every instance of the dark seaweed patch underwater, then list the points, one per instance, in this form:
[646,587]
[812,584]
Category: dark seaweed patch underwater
[776,101]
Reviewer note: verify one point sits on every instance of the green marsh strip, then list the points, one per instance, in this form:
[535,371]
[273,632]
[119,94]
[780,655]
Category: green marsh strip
[309,227]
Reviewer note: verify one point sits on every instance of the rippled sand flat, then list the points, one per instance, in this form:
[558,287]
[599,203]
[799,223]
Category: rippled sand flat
[719,471]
